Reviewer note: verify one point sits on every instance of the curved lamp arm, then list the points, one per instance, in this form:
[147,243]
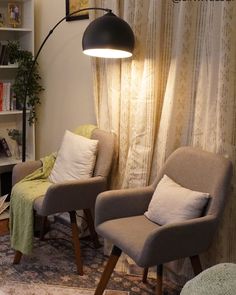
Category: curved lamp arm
[60,21]
[107,36]
[32,67]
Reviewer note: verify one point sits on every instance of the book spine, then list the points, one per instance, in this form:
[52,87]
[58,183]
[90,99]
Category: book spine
[13,102]
[1,95]
[6,96]
[2,55]
[4,99]
[5,147]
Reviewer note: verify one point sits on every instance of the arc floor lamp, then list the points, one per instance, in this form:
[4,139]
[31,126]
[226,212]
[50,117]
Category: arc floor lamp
[107,36]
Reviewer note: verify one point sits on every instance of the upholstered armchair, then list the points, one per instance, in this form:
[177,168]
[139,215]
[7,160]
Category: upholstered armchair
[120,215]
[73,195]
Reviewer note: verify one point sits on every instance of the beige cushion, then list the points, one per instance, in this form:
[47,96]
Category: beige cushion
[75,159]
[173,203]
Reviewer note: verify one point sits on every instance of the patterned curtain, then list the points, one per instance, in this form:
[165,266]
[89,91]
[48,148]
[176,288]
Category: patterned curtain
[178,89]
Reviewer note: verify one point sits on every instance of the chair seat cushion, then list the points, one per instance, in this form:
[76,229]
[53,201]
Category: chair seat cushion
[173,203]
[132,240]
[75,159]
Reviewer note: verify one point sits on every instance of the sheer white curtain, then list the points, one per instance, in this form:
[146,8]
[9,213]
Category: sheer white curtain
[178,89]
[129,93]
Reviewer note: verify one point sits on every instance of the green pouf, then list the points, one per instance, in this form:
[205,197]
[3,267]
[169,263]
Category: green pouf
[217,280]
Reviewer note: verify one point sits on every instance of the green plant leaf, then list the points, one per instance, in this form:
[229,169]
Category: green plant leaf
[34,88]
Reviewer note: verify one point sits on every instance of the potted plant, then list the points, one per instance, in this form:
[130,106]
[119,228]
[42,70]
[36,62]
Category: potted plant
[24,59]
[16,135]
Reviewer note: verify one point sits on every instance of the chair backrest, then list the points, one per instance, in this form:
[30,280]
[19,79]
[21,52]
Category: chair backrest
[201,171]
[106,145]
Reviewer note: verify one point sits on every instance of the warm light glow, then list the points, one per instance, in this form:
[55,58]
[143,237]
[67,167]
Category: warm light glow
[107,53]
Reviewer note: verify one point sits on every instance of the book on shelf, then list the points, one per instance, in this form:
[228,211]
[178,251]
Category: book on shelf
[3,204]
[4,148]
[5,96]
[1,95]
[3,53]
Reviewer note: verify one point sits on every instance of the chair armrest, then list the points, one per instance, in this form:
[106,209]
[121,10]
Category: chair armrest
[72,195]
[21,170]
[122,203]
[187,238]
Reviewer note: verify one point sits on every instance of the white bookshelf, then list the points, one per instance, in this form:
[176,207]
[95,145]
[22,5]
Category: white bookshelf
[8,67]
[15,29]
[24,33]
[13,120]
[10,113]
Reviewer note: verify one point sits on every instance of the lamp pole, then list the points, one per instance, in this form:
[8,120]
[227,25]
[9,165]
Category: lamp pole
[32,67]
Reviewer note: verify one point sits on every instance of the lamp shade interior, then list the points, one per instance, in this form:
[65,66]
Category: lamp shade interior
[108,36]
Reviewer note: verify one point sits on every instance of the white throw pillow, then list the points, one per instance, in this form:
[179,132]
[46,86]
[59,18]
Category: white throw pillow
[173,203]
[75,158]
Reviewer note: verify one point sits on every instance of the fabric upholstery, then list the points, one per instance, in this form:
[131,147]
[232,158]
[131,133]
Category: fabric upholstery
[106,142]
[137,230]
[21,170]
[70,195]
[192,168]
[75,159]
[173,203]
[201,171]
[122,203]
[74,194]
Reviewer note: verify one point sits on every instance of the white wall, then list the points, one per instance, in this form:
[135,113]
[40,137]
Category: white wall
[66,76]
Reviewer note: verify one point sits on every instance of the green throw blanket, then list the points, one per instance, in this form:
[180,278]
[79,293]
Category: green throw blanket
[21,207]
[23,195]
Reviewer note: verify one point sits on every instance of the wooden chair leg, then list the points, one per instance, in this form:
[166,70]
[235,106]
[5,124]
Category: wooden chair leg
[145,274]
[43,227]
[115,254]
[159,279]
[93,233]
[196,264]
[17,257]
[75,237]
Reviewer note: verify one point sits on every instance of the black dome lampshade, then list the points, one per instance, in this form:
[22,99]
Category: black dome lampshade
[108,36]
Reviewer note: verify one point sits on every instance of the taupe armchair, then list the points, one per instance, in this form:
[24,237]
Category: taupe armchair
[73,195]
[119,216]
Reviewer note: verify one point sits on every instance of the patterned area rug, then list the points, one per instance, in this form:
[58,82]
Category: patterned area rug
[46,289]
[51,269]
